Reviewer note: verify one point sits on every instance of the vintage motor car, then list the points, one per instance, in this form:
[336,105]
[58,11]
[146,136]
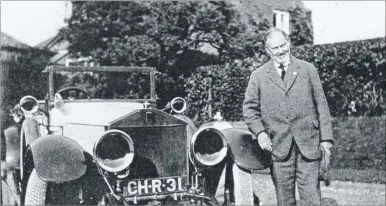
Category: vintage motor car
[76,148]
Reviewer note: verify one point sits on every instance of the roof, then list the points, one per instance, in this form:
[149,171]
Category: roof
[8,41]
[60,58]
[46,43]
[54,44]
[60,47]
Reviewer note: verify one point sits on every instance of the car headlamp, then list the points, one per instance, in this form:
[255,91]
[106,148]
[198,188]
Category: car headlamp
[114,151]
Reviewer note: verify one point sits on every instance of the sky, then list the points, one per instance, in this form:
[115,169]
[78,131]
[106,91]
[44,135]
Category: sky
[335,21]
[32,22]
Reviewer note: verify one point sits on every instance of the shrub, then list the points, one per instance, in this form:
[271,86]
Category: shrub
[226,84]
[352,74]
[359,143]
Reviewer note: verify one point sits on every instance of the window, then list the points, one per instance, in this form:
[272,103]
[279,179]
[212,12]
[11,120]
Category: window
[82,61]
[281,20]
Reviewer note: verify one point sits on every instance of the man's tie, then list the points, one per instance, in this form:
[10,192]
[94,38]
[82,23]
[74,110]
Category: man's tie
[282,71]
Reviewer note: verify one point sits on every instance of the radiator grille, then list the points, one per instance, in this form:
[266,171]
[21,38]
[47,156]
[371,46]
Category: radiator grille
[159,151]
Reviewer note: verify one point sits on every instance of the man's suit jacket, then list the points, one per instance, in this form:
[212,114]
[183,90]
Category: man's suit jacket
[293,108]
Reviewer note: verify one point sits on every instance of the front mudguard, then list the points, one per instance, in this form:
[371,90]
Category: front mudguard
[58,159]
[245,151]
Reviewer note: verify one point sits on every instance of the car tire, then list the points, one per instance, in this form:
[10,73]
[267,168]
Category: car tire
[40,192]
[36,190]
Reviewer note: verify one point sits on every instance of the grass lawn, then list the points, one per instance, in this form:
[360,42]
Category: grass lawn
[368,176]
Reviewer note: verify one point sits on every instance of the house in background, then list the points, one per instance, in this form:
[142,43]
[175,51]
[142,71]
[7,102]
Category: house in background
[11,48]
[58,47]
[277,12]
[62,56]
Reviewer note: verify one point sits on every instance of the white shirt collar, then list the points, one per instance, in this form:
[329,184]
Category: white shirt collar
[278,69]
[278,64]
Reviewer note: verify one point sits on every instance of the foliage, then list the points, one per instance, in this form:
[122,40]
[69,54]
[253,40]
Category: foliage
[167,35]
[173,36]
[352,74]
[226,84]
[177,37]
[301,27]
[25,76]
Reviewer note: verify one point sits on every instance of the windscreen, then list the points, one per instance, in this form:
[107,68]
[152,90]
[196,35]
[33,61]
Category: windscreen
[103,85]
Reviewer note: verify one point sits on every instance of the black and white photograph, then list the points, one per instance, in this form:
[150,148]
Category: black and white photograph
[193,102]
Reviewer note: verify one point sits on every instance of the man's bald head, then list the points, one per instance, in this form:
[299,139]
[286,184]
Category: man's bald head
[275,31]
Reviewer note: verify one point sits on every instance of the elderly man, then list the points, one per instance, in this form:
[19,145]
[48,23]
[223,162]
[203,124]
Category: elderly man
[286,109]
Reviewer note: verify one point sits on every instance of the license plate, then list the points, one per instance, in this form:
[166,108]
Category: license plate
[155,186]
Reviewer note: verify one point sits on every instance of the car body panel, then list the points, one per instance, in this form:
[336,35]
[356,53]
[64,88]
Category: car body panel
[84,135]
[99,113]
[146,118]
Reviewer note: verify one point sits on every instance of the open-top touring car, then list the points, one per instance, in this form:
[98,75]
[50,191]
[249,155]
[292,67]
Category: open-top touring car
[77,148]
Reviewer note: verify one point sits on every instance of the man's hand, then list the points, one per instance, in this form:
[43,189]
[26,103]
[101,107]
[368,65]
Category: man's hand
[264,141]
[326,146]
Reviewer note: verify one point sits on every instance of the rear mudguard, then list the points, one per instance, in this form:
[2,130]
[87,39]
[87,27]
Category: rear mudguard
[246,151]
[58,158]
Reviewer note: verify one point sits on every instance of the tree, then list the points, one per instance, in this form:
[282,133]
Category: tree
[168,35]
[301,27]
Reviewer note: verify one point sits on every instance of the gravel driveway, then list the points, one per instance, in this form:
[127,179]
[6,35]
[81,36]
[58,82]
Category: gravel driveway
[338,193]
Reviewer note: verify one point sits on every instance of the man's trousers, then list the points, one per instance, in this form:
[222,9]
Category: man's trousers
[296,168]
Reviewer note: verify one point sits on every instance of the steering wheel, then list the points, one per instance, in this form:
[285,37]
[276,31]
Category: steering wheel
[70,93]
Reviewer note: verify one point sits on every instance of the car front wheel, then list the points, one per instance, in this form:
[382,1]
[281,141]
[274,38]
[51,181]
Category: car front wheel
[36,190]
[40,192]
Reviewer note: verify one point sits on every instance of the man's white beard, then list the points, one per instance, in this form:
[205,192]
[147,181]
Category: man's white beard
[285,61]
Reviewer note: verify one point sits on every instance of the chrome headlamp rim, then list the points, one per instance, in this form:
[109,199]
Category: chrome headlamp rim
[121,168]
[23,100]
[222,152]
[174,100]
